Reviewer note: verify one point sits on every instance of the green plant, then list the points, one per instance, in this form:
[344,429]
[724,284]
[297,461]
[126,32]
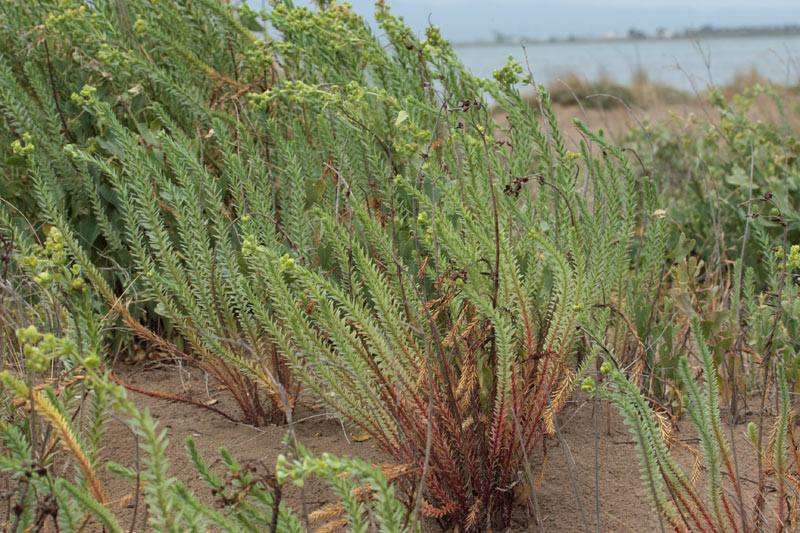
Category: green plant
[153,65]
[44,372]
[726,172]
[729,178]
[329,207]
[675,495]
[347,263]
[456,359]
[71,410]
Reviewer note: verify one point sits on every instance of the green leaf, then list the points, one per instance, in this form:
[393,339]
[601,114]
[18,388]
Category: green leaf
[251,23]
[681,249]
[401,117]
[314,192]
[94,507]
[16,161]
[739,178]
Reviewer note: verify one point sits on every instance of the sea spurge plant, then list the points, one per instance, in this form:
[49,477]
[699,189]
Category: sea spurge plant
[65,491]
[412,340]
[367,498]
[675,496]
[341,213]
[47,406]
[510,74]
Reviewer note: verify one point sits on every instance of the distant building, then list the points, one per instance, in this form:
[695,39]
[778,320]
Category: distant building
[635,33]
[664,33]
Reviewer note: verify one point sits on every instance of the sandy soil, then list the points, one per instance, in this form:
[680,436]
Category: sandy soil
[623,502]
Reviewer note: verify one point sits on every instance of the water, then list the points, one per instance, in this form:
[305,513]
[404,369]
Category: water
[679,63]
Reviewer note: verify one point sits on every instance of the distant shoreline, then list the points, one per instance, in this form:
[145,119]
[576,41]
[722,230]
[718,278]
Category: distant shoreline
[590,40]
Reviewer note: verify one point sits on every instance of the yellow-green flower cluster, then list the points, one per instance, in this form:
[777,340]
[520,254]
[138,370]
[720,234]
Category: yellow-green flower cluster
[298,91]
[429,236]
[259,55]
[50,265]
[285,470]
[85,96]
[285,263]
[24,147]
[39,349]
[434,44]
[793,260]
[54,19]
[510,74]
[794,257]
[250,246]
[140,26]
[337,26]
[282,17]
[395,27]
[414,137]
[115,56]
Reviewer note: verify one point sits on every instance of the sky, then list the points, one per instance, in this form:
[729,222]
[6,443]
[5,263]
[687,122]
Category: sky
[469,20]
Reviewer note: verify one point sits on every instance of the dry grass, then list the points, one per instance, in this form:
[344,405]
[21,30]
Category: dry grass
[572,88]
[643,92]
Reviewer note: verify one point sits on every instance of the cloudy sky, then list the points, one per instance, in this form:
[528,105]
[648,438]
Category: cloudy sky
[465,20]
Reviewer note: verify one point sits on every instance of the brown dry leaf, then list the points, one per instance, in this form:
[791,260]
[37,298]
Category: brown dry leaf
[431,511]
[330,527]
[695,470]
[559,399]
[664,425]
[125,500]
[393,472]
[540,477]
[361,438]
[326,512]
[423,267]
[19,402]
[474,511]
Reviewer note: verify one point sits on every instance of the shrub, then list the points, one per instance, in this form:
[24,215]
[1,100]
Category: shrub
[60,381]
[727,173]
[730,183]
[150,66]
[455,358]
[675,496]
[335,209]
